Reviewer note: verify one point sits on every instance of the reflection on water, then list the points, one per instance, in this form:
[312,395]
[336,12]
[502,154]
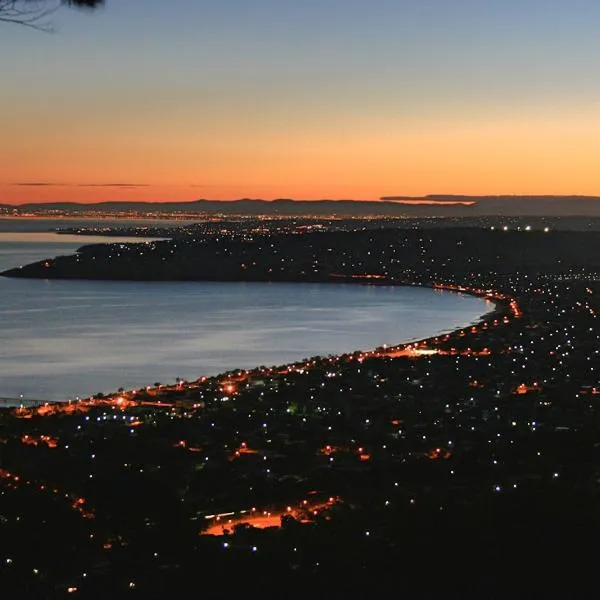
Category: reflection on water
[67,338]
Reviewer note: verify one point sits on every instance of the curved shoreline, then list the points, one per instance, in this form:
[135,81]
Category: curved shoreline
[504,308]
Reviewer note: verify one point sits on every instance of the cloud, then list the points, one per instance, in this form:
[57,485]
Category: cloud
[430,199]
[55,184]
[38,184]
[118,185]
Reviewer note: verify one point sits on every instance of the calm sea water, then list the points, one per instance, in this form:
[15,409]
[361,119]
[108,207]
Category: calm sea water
[62,339]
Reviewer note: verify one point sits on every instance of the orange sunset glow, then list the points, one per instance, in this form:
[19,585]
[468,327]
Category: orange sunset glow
[309,103]
[176,163]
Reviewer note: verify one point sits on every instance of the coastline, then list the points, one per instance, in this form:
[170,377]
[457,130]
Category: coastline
[502,310]
[364,277]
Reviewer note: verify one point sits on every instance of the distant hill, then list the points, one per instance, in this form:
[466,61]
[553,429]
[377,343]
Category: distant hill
[435,205]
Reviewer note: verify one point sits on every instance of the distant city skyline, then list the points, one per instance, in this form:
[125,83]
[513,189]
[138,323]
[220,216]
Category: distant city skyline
[157,101]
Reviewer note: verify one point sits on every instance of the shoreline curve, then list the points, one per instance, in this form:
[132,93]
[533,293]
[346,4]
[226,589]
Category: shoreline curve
[504,308]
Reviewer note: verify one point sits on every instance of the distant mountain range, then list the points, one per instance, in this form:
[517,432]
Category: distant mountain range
[434,205]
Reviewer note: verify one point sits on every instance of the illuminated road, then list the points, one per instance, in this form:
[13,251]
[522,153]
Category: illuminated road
[305,512]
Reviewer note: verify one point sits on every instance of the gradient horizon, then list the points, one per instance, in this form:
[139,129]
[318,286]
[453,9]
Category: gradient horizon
[308,100]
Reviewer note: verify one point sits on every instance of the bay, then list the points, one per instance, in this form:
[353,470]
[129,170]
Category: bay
[64,339]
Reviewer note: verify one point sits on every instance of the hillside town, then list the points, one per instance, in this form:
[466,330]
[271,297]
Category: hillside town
[472,454]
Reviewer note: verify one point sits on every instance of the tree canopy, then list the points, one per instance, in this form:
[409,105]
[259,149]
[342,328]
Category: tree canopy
[34,13]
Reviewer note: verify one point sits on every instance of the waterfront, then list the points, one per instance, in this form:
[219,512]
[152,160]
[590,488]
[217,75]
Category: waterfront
[331,461]
[63,339]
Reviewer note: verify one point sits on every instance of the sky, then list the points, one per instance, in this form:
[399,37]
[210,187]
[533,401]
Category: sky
[306,99]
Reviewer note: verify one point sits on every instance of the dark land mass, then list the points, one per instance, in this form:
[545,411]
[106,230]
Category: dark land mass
[388,254]
[432,206]
[464,466]
[247,227]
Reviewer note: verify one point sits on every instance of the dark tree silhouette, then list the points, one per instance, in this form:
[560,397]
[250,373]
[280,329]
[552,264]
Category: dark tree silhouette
[35,13]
